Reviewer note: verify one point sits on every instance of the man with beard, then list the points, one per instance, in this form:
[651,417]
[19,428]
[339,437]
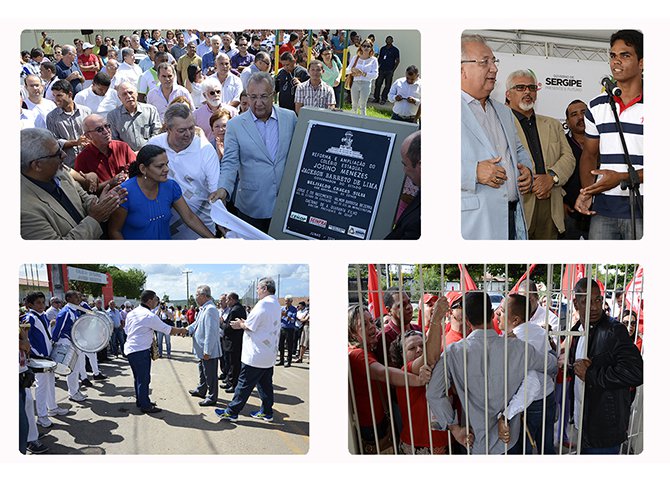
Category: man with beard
[553,162]
[211,93]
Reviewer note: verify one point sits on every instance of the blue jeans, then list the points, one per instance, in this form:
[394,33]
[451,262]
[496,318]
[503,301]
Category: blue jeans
[251,377]
[117,341]
[606,228]
[159,339]
[140,364]
[534,424]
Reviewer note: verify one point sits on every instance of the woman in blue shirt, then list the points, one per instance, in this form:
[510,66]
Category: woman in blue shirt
[151,195]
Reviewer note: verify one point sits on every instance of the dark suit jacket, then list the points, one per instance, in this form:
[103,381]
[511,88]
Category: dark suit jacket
[237,311]
[408,226]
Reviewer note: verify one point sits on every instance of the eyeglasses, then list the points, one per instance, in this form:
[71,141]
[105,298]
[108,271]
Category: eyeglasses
[484,63]
[215,92]
[263,97]
[264,61]
[522,88]
[60,154]
[101,128]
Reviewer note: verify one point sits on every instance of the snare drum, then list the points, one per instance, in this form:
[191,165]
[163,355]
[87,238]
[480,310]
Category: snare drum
[91,332]
[41,365]
[65,356]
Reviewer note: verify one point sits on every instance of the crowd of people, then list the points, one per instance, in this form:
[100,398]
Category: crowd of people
[510,380]
[234,344]
[137,138]
[523,178]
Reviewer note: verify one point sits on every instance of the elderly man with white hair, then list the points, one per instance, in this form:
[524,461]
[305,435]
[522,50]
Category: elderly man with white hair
[209,57]
[211,92]
[289,315]
[133,122]
[194,165]
[206,346]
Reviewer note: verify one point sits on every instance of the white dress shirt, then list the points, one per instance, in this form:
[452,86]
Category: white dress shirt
[140,327]
[402,107]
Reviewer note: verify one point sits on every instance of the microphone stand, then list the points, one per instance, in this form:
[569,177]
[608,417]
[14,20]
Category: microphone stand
[632,184]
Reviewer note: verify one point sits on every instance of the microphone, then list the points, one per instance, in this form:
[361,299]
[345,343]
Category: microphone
[611,87]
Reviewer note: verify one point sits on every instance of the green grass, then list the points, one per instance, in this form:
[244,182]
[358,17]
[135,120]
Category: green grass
[371,111]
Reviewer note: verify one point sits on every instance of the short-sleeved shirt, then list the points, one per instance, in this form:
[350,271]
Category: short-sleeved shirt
[599,124]
[149,219]
[387,58]
[284,85]
[183,64]
[87,61]
[239,60]
[63,71]
[90,159]
[148,80]
[156,98]
[357,363]
[321,96]
[420,425]
[68,126]
[137,128]
[261,337]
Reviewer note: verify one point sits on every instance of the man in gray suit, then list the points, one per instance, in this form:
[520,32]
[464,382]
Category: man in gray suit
[255,148]
[484,397]
[206,346]
[495,168]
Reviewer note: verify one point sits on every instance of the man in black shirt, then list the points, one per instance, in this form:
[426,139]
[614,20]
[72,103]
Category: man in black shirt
[389,59]
[576,224]
[288,78]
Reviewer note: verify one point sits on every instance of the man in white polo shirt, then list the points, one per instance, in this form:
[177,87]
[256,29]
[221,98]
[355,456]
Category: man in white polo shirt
[602,166]
[259,350]
[141,324]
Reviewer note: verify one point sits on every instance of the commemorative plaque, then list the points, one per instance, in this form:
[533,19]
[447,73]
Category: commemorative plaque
[337,189]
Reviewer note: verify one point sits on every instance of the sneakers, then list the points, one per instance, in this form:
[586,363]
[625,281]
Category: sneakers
[78,397]
[226,414]
[86,382]
[44,422]
[58,411]
[261,416]
[99,376]
[37,447]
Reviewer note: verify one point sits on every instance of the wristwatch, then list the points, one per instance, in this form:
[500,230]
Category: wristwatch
[554,177]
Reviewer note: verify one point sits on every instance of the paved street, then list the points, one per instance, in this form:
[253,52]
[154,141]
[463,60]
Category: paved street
[108,422]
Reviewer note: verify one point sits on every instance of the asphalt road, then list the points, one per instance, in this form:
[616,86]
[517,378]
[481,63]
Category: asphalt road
[108,422]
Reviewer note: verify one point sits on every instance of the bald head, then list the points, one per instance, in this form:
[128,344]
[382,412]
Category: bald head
[97,130]
[410,153]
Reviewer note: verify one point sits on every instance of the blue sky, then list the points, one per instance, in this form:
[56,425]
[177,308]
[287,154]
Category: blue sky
[168,279]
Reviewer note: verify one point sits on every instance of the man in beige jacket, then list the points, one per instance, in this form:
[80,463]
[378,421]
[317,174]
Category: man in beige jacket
[553,161]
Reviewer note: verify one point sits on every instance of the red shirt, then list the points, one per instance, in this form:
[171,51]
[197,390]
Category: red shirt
[90,159]
[357,362]
[419,424]
[391,331]
[287,47]
[87,61]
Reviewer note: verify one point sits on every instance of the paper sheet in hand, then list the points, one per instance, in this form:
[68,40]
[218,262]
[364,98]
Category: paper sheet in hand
[238,227]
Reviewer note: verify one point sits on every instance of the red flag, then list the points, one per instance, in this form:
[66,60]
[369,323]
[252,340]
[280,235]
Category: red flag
[373,292]
[633,295]
[516,287]
[571,275]
[467,279]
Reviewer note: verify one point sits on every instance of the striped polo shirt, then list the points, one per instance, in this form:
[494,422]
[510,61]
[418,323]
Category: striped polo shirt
[599,124]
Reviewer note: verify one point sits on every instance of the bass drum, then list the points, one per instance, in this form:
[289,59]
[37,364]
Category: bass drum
[91,332]
[64,355]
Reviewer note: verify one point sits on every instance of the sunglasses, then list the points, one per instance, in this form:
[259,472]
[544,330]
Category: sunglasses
[215,92]
[521,88]
[101,128]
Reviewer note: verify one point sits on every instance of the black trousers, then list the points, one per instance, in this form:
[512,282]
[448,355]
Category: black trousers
[286,339]
[387,79]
